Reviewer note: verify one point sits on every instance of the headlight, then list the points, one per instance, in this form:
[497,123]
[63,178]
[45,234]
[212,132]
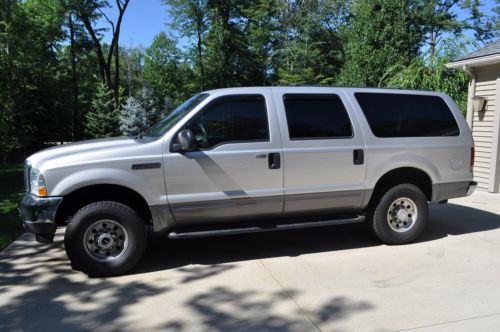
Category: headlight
[37,183]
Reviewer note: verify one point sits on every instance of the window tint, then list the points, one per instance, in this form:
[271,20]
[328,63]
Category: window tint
[231,119]
[316,117]
[400,115]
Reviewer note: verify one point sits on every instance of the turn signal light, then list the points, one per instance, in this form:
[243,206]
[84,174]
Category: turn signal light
[42,191]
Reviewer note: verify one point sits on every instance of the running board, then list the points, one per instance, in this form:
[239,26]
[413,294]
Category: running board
[193,233]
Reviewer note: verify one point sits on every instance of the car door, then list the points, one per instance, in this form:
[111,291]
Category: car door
[235,173]
[323,151]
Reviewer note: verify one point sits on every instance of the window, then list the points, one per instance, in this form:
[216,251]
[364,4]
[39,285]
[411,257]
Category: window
[316,116]
[170,120]
[230,120]
[403,115]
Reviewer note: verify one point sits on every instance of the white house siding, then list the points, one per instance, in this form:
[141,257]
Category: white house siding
[483,125]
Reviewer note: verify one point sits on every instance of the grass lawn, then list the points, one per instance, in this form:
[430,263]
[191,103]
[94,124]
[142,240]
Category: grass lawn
[11,190]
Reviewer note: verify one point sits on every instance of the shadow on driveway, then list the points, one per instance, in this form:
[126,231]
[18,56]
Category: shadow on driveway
[447,219]
[39,291]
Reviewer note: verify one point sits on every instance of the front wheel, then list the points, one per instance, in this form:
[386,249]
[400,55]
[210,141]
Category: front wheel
[105,239]
[400,215]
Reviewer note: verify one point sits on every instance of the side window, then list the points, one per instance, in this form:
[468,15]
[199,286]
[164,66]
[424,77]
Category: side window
[316,116]
[403,115]
[231,120]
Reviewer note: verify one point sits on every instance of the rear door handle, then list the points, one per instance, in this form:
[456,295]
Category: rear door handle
[358,156]
[274,160]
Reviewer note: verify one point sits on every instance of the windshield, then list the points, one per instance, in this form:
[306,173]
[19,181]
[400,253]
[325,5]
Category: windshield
[170,120]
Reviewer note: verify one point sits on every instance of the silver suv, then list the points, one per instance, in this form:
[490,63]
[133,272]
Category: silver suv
[256,159]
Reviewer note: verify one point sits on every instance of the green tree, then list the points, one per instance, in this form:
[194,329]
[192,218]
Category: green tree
[225,46]
[261,33]
[190,19]
[380,34]
[439,20]
[132,69]
[81,67]
[310,47]
[163,70]
[33,89]
[484,26]
[103,119]
[433,76]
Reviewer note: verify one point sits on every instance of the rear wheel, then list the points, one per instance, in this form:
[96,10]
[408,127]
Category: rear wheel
[400,215]
[105,239]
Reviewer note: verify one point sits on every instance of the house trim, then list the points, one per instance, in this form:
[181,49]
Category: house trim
[494,183]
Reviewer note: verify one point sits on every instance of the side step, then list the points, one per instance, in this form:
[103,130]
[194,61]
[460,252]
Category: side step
[194,233]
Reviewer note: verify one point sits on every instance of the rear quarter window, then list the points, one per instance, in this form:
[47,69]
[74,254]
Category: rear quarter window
[404,115]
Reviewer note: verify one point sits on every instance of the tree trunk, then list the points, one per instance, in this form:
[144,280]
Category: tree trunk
[76,132]
[117,76]
[199,43]
[200,59]
[105,63]
[129,73]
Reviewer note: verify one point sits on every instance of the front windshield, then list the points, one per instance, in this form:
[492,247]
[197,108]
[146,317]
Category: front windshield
[170,120]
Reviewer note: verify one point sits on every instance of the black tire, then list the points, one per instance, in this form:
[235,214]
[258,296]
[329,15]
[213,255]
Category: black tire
[124,216]
[379,221]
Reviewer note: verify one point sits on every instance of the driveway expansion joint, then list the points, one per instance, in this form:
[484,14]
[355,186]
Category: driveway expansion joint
[290,296]
[448,322]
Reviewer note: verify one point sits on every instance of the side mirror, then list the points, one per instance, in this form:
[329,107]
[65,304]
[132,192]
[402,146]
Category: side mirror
[186,140]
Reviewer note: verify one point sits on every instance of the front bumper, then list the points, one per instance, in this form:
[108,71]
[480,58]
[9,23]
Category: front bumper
[38,215]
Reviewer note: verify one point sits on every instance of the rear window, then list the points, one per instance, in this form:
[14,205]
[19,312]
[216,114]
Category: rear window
[402,115]
[316,116]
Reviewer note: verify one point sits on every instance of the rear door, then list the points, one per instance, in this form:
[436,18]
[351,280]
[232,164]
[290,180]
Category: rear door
[323,151]
[236,172]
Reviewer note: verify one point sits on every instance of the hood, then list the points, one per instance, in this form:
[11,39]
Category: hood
[90,151]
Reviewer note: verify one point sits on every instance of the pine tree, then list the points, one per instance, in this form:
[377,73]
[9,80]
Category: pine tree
[133,117]
[141,112]
[103,119]
[309,45]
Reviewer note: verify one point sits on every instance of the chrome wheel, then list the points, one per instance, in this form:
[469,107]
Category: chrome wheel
[105,240]
[402,214]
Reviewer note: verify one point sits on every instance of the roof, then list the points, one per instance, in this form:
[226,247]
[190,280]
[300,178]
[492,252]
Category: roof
[313,89]
[489,54]
[493,48]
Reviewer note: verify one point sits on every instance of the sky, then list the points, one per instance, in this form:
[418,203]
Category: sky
[144,19]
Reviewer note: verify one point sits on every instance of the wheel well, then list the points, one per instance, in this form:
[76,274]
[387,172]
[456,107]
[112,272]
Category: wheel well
[397,176]
[74,201]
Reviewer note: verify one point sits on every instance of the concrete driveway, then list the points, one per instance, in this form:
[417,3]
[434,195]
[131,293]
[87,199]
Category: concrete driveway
[329,279]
